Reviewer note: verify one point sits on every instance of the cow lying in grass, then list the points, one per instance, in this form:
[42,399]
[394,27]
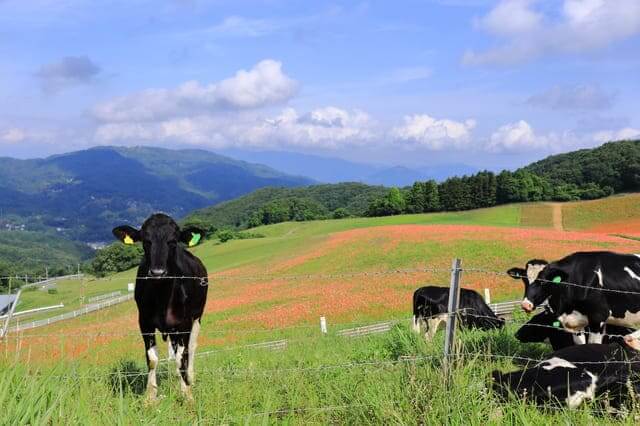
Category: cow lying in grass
[430,307]
[578,373]
[166,302]
[546,327]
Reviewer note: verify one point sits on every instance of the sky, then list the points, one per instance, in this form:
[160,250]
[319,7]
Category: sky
[491,84]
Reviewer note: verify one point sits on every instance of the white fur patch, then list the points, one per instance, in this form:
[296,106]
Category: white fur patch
[179,352]
[599,274]
[574,401]
[533,270]
[630,319]
[152,353]
[575,321]
[631,273]
[152,384]
[170,353]
[556,362]
[193,345]
[579,339]
[416,325]
[595,338]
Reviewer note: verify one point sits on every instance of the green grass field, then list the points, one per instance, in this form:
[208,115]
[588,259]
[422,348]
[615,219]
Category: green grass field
[69,372]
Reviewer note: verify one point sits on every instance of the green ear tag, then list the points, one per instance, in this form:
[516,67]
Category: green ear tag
[127,239]
[195,239]
[557,280]
[556,323]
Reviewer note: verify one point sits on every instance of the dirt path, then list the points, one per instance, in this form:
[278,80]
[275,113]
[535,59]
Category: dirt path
[556,211]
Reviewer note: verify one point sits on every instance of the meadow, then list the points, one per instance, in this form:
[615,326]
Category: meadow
[276,288]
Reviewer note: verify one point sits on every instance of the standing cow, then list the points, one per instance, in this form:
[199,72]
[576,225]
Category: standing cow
[430,306]
[585,289]
[171,292]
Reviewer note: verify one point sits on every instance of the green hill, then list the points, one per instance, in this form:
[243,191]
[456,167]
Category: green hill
[84,194]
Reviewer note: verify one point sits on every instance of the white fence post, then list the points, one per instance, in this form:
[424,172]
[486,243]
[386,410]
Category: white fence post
[323,325]
[487,296]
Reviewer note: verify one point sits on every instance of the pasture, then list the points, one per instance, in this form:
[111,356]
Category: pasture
[276,288]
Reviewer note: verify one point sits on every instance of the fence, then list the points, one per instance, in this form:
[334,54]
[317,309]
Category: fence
[104,296]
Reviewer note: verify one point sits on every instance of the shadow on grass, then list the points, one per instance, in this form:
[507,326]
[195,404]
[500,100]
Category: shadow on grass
[129,377]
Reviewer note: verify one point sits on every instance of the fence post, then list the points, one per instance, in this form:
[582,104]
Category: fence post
[452,309]
[323,325]
[487,296]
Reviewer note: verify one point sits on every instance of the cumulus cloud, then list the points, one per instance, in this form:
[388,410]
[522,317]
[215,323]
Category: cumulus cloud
[578,26]
[585,97]
[328,127]
[425,131]
[264,84]
[626,133]
[67,72]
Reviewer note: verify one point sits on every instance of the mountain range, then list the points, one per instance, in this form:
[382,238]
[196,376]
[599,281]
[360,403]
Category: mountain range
[83,194]
[336,170]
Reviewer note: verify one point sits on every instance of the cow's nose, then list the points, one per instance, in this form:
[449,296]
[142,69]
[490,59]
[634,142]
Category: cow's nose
[157,272]
[527,306]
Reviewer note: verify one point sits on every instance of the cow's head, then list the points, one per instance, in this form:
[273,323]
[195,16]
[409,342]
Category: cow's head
[160,236]
[533,294]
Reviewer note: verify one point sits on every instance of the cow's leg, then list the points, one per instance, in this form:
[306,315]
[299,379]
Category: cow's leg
[151,352]
[182,364]
[434,324]
[416,324]
[193,345]
[598,324]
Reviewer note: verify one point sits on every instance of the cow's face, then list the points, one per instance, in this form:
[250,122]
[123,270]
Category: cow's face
[529,275]
[160,236]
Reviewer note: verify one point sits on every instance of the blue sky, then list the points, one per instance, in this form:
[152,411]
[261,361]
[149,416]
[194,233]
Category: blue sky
[488,83]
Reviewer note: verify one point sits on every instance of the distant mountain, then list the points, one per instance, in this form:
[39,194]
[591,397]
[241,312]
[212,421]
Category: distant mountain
[335,170]
[83,194]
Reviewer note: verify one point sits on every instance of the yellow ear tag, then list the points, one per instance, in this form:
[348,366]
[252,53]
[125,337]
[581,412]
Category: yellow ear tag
[127,239]
[195,239]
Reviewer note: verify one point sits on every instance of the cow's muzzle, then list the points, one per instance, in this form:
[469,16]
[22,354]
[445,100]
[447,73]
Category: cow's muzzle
[527,306]
[157,272]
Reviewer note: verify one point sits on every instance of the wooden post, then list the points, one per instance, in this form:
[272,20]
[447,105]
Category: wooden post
[323,325]
[487,296]
[452,309]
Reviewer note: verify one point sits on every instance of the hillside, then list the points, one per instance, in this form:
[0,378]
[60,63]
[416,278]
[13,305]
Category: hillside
[83,194]
[614,164]
[321,201]
[23,252]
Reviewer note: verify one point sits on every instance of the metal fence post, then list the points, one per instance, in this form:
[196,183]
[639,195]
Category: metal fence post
[452,309]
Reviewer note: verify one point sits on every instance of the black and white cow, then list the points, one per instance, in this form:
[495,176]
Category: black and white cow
[545,326]
[575,374]
[166,302]
[607,290]
[430,307]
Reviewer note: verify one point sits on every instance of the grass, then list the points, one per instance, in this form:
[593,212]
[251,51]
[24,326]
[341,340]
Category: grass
[315,380]
[616,215]
[536,215]
[65,373]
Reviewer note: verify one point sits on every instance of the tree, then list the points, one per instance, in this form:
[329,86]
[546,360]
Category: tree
[423,197]
[116,257]
[393,203]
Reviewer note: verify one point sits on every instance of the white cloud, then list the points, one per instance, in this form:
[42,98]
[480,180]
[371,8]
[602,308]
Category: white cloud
[626,133]
[12,135]
[425,131]
[511,17]
[328,127]
[264,84]
[578,26]
[515,137]
[584,97]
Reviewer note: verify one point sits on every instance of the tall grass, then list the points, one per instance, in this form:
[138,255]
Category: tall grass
[315,380]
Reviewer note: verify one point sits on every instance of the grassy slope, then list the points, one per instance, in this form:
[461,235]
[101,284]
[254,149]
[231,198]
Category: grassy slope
[241,311]
[618,214]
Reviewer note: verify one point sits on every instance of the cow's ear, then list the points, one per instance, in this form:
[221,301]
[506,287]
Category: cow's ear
[127,234]
[192,236]
[517,273]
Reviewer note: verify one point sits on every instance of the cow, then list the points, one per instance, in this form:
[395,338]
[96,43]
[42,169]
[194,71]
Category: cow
[577,373]
[170,293]
[585,289]
[430,307]
[545,326]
